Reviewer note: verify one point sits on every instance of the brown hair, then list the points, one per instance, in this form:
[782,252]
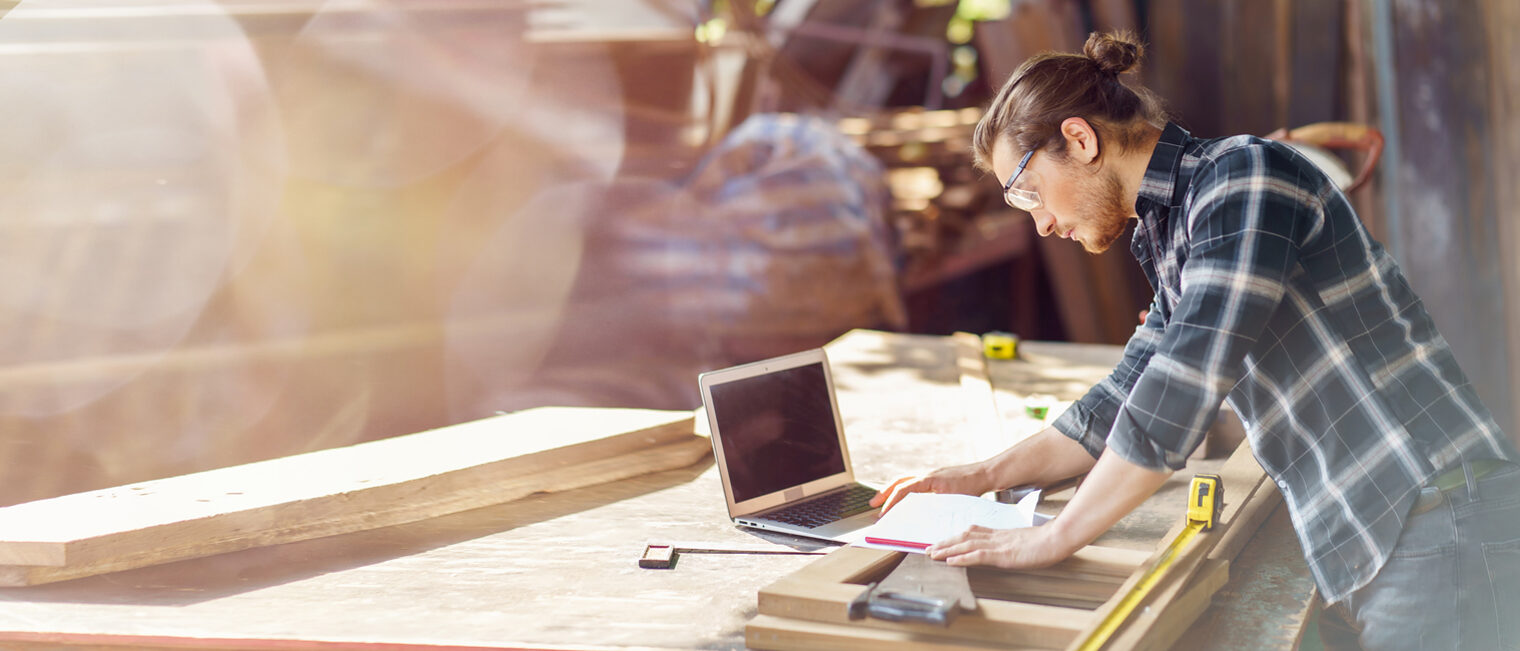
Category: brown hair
[1051,87]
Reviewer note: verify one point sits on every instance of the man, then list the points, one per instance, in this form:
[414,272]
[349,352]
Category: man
[1272,295]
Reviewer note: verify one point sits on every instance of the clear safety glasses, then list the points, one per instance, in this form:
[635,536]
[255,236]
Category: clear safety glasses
[1020,191]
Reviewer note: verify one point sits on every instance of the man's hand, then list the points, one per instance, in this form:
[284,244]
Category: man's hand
[1113,488]
[1013,549]
[969,479]
[1039,460]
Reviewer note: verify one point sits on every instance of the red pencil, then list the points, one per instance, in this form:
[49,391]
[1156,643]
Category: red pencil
[897,543]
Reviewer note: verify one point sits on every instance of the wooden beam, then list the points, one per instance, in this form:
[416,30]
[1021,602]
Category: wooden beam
[329,492]
[1174,620]
[983,418]
[782,634]
[1259,507]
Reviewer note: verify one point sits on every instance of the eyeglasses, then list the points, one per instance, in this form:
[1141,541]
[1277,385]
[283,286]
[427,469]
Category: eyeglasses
[1023,195]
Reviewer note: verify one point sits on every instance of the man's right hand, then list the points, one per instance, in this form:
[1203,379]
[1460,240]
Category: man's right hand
[969,479]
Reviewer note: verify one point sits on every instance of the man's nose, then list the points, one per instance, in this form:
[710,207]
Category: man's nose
[1044,223]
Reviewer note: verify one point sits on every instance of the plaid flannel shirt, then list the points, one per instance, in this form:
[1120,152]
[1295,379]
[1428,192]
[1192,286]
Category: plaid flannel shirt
[1272,295]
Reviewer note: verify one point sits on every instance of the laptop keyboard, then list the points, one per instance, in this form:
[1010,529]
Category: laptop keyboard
[826,508]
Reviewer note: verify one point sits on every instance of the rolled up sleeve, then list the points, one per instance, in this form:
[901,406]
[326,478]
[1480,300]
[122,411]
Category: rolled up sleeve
[1090,418]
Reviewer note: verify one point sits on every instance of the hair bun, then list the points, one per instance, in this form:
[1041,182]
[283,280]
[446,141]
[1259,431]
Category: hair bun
[1114,52]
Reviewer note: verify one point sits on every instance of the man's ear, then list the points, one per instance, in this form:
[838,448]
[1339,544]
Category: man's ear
[1081,140]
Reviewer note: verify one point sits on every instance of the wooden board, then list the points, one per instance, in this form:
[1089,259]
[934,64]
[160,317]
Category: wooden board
[783,634]
[366,486]
[1172,622]
[981,408]
[1268,599]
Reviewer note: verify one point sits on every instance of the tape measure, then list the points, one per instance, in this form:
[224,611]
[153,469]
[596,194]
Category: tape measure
[1000,345]
[1205,499]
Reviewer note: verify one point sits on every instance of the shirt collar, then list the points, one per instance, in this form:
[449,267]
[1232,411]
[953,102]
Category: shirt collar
[1159,185]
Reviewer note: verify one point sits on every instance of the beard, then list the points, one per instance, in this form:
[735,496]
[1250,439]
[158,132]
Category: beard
[1103,212]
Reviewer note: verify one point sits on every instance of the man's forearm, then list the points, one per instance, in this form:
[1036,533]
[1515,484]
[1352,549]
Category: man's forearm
[1040,460]
[1113,489]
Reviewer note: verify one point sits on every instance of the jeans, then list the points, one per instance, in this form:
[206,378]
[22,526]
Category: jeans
[1453,581]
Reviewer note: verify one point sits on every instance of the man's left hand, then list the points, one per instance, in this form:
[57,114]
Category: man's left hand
[1011,549]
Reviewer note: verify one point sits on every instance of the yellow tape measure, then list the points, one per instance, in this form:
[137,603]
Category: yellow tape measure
[1205,499]
[1000,345]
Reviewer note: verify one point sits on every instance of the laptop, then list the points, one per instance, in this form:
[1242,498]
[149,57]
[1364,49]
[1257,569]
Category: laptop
[780,448]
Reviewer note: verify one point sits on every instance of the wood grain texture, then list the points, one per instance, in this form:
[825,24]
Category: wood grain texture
[1180,614]
[337,491]
[782,634]
[1266,603]
[980,407]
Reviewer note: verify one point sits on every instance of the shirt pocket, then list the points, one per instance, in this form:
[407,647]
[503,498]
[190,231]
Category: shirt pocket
[1503,562]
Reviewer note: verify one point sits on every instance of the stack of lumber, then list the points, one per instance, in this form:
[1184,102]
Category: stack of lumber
[1051,608]
[343,490]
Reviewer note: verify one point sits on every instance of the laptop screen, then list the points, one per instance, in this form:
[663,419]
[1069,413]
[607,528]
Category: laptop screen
[777,430]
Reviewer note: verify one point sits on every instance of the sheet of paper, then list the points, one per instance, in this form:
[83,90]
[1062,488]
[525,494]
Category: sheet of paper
[928,518]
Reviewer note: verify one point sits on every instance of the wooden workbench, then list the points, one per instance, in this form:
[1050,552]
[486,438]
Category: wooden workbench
[559,571]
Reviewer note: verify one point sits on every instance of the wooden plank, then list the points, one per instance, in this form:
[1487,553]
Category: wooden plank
[782,634]
[982,415]
[1181,612]
[1240,471]
[1264,603]
[856,565]
[366,486]
[1259,506]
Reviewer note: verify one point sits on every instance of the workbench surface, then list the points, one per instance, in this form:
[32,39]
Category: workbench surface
[559,570]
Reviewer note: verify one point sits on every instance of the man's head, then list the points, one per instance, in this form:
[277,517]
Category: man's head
[1056,133]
